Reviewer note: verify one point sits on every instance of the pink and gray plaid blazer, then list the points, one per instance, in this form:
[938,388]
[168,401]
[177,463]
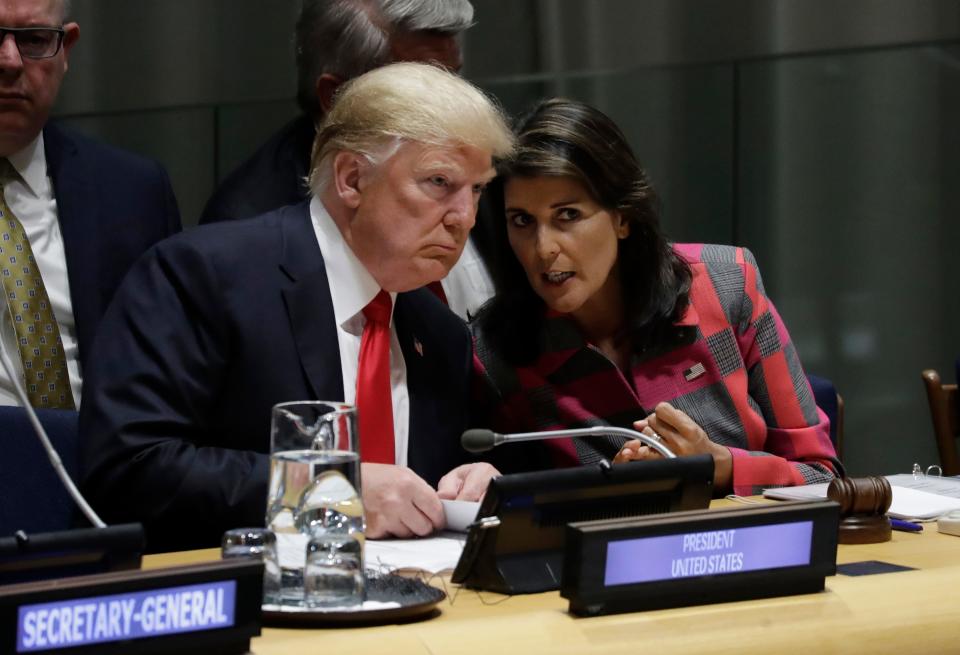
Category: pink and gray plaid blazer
[733,370]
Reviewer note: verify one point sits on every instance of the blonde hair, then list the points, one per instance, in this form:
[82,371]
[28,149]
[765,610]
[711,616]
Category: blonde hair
[378,111]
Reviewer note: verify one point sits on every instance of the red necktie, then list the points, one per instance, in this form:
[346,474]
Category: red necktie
[374,400]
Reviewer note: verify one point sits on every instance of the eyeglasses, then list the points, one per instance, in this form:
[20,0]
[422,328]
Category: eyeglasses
[35,42]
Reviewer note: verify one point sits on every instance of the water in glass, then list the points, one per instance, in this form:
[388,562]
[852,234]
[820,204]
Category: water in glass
[312,493]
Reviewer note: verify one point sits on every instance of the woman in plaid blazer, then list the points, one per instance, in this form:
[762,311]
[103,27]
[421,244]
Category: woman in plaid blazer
[600,321]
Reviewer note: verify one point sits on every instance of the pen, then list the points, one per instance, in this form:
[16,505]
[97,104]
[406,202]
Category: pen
[905,526]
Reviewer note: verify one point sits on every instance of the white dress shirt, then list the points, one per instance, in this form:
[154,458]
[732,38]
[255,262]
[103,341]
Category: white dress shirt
[351,289]
[32,201]
[468,284]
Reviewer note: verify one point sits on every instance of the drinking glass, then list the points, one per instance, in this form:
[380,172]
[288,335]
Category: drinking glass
[333,576]
[314,488]
[259,543]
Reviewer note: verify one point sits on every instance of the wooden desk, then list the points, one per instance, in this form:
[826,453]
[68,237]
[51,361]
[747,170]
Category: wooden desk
[898,613]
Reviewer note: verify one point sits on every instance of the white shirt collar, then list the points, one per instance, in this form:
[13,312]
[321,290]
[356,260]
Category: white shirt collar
[351,285]
[31,164]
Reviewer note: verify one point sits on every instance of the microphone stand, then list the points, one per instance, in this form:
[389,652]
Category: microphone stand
[45,442]
[595,431]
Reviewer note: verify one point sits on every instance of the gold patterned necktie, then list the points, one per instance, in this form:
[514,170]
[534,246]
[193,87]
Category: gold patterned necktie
[38,336]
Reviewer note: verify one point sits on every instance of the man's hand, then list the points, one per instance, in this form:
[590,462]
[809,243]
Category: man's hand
[683,436]
[467,482]
[398,503]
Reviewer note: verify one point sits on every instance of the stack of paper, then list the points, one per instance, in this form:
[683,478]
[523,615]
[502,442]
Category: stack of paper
[431,554]
[910,500]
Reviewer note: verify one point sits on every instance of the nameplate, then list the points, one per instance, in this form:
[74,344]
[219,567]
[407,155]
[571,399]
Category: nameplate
[205,608]
[691,558]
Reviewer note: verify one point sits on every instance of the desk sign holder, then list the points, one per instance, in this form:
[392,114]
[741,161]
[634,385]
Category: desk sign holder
[699,557]
[516,546]
[69,553]
[208,609]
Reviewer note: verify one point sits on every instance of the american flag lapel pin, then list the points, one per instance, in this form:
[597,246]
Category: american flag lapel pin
[694,372]
[418,346]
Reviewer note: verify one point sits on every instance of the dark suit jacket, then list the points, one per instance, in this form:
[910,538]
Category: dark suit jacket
[209,331]
[273,177]
[112,206]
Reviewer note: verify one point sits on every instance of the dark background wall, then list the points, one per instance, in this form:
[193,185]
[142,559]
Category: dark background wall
[821,134]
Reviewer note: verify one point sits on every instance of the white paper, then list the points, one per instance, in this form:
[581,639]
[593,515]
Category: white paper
[915,504]
[430,554]
[907,503]
[932,483]
[803,492]
[460,513]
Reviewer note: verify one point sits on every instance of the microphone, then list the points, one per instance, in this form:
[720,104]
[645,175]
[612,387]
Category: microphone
[45,442]
[479,440]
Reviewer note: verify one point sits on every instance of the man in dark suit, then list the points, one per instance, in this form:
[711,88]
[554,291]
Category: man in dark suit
[215,326]
[337,40]
[113,205]
[77,211]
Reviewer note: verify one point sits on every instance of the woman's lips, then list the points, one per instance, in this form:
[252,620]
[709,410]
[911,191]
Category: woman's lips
[557,277]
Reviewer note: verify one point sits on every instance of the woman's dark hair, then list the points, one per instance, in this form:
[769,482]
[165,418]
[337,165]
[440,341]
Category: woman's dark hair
[560,137]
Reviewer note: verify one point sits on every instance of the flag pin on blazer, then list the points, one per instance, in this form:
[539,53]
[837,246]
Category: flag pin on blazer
[418,346]
[694,372]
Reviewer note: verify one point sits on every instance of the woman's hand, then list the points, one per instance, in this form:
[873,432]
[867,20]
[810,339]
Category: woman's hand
[683,436]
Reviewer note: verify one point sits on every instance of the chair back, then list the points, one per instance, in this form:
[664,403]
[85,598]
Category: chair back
[32,497]
[945,414]
[831,402]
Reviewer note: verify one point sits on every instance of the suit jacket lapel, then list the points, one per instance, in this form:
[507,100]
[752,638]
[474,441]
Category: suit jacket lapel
[309,305]
[77,211]
[414,359]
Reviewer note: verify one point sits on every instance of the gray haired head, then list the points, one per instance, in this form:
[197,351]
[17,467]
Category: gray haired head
[347,38]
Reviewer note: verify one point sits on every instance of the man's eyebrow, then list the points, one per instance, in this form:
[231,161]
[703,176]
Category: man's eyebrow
[452,168]
[438,166]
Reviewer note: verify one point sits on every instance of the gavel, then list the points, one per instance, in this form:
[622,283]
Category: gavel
[863,508]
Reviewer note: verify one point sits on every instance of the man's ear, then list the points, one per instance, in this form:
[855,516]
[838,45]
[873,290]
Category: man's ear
[349,169]
[325,89]
[71,34]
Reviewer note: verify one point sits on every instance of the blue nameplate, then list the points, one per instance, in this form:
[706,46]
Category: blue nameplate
[118,617]
[691,558]
[203,608]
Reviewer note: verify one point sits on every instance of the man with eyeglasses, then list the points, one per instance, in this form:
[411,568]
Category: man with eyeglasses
[74,214]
